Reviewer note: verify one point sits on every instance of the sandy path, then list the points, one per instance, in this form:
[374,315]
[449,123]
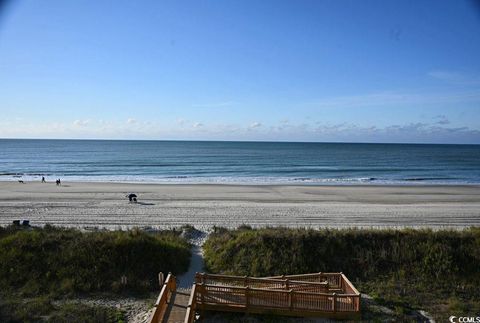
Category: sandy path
[166,206]
[186,280]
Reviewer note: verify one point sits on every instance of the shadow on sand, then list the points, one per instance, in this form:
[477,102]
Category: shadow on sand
[143,203]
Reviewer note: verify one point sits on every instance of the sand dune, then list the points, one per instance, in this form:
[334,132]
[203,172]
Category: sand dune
[165,206]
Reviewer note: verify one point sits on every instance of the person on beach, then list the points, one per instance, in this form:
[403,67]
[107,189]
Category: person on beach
[58,182]
[43,179]
[132,197]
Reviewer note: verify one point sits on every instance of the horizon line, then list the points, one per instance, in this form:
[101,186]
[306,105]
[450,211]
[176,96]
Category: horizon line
[249,141]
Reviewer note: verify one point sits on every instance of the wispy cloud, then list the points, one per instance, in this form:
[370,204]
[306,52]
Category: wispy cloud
[455,77]
[255,125]
[396,99]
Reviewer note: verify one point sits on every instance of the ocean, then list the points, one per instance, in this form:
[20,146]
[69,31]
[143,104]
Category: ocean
[238,162]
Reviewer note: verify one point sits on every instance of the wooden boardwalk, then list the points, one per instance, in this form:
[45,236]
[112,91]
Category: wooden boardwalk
[329,295]
[177,307]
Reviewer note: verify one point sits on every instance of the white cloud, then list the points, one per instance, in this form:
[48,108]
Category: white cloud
[131,121]
[438,130]
[81,123]
[255,125]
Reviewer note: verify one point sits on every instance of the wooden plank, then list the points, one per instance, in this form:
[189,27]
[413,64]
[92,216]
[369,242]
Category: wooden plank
[177,308]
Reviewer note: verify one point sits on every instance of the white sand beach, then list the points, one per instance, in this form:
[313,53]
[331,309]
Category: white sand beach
[78,204]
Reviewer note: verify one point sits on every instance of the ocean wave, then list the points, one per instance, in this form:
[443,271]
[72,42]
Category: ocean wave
[252,180]
[25,174]
[414,179]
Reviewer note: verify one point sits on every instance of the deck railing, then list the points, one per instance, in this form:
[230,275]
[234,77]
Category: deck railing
[320,294]
[169,287]
[334,279]
[283,283]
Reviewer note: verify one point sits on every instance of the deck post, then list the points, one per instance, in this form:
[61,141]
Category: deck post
[247,298]
[202,293]
[341,281]
[161,279]
[290,299]
[245,281]
[174,285]
[287,284]
[334,302]
[202,298]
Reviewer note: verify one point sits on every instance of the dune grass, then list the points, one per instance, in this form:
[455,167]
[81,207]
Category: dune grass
[39,265]
[404,269]
[63,261]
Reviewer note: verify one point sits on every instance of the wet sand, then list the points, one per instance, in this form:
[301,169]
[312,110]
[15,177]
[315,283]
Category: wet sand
[165,206]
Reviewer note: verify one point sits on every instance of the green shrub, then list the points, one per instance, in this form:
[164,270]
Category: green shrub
[361,254]
[404,269]
[66,261]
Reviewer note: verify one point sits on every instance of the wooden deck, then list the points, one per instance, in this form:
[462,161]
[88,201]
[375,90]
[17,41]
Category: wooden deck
[316,295]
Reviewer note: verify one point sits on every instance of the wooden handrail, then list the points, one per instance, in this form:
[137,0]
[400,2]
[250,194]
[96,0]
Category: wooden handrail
[169,286]
[239,278]
[273,290]
[304,275]
[271,277]
[192,304]
[349,284]
[201,278]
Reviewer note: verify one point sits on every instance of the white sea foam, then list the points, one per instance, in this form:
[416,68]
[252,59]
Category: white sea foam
[244,180]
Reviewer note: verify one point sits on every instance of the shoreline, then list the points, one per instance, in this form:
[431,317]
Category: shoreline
[413,184]
[103,204]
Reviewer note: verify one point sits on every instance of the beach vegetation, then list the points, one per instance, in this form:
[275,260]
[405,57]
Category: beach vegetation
[43,309]
[61,261]
[43,269]
[406,269]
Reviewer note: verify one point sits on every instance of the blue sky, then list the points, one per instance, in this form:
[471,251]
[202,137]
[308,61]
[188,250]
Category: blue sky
[368,71]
